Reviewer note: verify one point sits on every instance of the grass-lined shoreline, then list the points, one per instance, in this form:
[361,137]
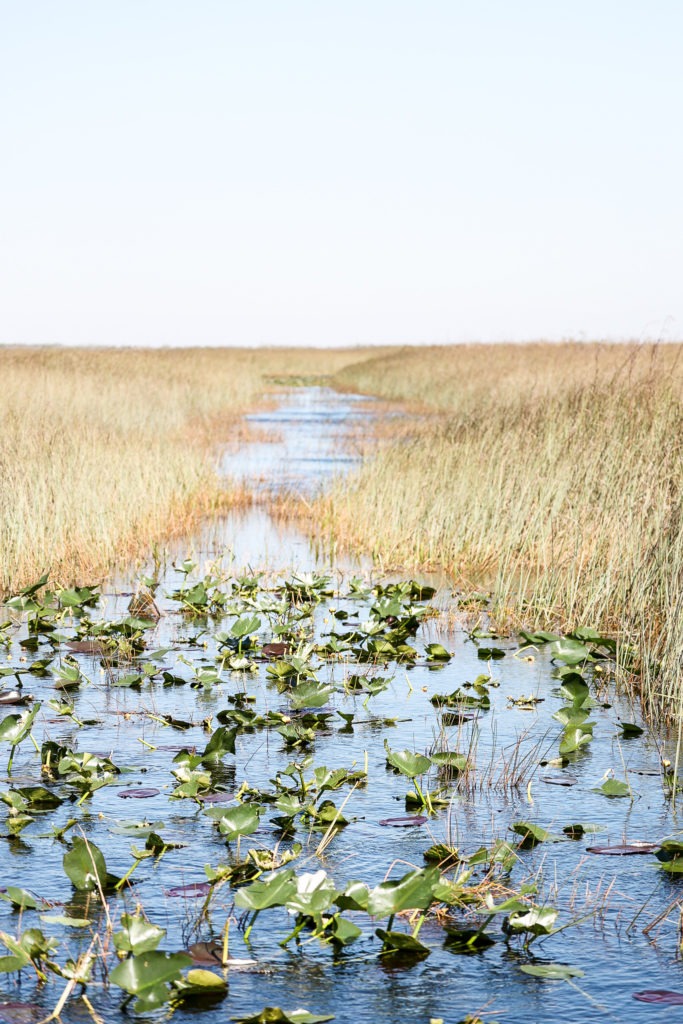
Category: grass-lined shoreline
[105,452]
[552,474]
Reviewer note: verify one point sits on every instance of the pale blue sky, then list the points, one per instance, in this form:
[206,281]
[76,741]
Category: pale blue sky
[357,171]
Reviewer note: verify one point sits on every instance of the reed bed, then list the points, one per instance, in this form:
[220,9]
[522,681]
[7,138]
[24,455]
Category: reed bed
[104,452]
[551,475]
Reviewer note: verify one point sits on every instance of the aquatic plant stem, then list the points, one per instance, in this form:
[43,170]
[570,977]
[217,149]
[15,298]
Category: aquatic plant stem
[226,940]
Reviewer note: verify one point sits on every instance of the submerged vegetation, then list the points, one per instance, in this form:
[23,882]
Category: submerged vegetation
[549,475]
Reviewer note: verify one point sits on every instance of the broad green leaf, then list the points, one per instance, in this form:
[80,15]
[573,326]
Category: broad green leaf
[580,828]
[400,942]
[575,737]
[354,897]
[245,626]
[15,728]
[147,976]
[137,935]
[407,762]
[533,834]
[269,891]
[539,637]
[274,1015]
[222,742]
[310,694]
[242,820]
[68,922]
[85,865]
[205,979]
[20,898]
[437,652]
[414,891]
[536,920]
[614,788]
[315,892]
[571,652]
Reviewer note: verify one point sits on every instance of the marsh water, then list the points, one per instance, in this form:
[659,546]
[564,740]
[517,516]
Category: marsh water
[618,917]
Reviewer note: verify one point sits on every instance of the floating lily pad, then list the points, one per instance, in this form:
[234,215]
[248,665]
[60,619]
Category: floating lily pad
[659,995]
[191,889]
[623,849]
[215,798]
[138,794]
[559,780]
[405,822]
[274,1015]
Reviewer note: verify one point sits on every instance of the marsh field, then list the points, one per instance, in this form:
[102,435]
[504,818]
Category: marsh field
[341,684]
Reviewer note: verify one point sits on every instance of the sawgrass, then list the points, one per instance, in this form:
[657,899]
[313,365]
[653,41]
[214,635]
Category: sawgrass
[551,474]
[104,452]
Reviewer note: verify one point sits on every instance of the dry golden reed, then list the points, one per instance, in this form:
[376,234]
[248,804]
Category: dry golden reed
[550,473]
[105,451]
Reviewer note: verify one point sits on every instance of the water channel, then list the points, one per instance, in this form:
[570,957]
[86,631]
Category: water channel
[618,917]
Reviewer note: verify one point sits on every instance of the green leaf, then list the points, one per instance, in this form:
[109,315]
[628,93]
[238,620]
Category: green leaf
[436,652]
[68,922]
[15,728]
[270,891]
[571,652]
[20,898]
[274,1015]
[414,891]
[239,821]
[614,788]
[536,920]
[222,742]
[540,637]
[310,694]
[489,653]
[147,976]
[575,737]
[400,942]
[580,828]
[629,729]
[85,865]
[532,834]
[245,626]
[205,979]
[315,892]
[407,762]
[137,935]
[354,897]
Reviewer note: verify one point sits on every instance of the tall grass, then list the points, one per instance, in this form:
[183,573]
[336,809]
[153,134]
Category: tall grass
[103,452]
[552,474]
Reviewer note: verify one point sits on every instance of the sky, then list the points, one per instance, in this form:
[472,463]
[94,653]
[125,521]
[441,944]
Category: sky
[250,172]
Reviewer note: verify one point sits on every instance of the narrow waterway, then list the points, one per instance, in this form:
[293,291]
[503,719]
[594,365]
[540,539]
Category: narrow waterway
[617,917]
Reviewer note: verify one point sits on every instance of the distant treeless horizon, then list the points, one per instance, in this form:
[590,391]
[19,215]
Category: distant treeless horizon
[376,173]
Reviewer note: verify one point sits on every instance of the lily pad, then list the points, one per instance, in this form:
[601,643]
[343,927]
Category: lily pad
[408,821]
[659,995]
[623,849]
[191,889]
[559,780]
[143,793]
[274,1015]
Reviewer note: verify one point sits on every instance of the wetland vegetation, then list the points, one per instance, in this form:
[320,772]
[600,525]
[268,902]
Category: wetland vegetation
[549,475]
[364,794]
